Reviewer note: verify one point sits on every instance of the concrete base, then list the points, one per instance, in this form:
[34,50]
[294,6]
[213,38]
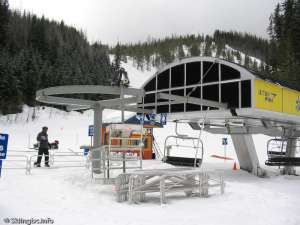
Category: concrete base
[246,153]
[290,152]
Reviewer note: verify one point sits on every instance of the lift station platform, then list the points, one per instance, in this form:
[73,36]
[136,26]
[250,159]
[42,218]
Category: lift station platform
[207,93]
[227,99]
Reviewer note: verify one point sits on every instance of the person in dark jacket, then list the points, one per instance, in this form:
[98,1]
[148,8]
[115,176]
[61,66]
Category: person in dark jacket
[44,146]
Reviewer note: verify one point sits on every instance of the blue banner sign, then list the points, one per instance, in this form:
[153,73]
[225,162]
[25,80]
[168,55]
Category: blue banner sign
[3,148]
[224,141]
[3,145]
[91,130]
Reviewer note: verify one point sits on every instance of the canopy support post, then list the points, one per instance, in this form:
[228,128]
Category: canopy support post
[96,155]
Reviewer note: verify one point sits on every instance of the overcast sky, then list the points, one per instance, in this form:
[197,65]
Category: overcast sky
[136,20]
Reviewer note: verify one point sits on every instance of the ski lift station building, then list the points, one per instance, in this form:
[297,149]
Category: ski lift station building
[225,86]
[227,99]
[207,93]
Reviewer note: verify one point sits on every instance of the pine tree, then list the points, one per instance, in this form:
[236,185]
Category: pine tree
[247,61]
[4,19]
[181,53]
[275,27]
[238,57]
[118,71]
[296,31]
[9,86]
[284,52]
[195,50]
[255,65]
[207,49]
[117,57]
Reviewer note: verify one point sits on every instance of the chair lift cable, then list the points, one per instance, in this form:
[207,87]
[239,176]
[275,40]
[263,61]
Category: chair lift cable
[199,137]
[194,88]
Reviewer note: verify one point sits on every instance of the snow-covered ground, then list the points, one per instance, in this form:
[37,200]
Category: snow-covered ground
[70,196]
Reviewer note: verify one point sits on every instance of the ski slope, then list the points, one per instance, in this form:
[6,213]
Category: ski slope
[70,197]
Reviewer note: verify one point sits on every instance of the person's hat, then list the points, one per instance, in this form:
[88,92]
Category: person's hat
[45,128]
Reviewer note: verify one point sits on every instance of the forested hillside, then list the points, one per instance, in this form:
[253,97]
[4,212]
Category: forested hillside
[241,48]
[36,53]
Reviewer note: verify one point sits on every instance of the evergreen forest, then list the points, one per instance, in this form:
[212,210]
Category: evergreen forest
[36,53]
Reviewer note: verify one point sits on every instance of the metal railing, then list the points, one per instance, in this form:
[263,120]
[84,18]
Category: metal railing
[24,159]
[157,149]
[134,186]
[14,162]
[108,162]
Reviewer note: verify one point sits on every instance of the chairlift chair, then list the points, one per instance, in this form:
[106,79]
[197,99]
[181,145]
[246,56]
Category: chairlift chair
[189,143]
[276,151]
[183,161]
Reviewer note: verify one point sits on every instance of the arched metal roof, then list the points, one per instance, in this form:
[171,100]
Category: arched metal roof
[246,74]
[190,89]
[224,84]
